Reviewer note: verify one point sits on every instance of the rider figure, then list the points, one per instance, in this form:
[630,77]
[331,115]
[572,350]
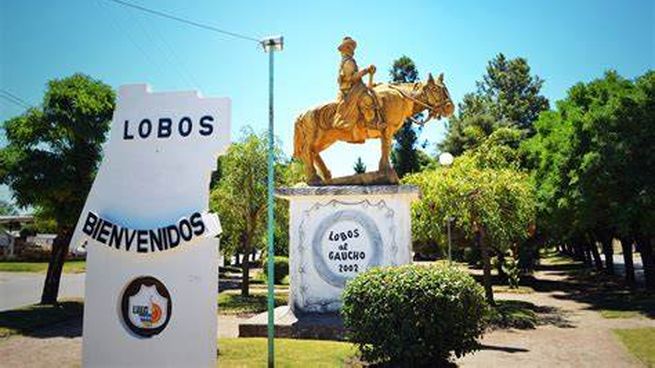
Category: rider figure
[354,96]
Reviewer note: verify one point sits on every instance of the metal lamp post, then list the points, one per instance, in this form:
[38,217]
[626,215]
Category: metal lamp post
[271,45]
[446,159]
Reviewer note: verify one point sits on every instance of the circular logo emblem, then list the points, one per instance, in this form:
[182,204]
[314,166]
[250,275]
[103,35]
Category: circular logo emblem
[345,244]
[146,306]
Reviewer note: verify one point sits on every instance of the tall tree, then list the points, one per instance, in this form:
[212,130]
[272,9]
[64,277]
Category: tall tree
[493,202]
[508,95]
[589,159]
[404,156]
[359,166]
[239,197]
[52,155]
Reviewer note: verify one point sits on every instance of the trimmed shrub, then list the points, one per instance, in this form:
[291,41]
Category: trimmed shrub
[281,266]
[414,315]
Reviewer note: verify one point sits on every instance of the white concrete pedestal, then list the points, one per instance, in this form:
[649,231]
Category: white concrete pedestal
[337,232]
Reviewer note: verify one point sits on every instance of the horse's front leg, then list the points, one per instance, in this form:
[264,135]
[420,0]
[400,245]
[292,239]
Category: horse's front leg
[325,173]
[310,169]
[385,166]
[385,145]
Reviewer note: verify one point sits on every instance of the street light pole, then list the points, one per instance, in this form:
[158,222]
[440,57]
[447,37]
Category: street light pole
[270,45]
[450,255]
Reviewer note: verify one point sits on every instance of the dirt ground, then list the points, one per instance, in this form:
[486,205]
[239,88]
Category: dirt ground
[572,333]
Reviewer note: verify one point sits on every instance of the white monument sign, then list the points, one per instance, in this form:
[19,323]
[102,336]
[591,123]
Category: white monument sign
[338,232]
[152,250]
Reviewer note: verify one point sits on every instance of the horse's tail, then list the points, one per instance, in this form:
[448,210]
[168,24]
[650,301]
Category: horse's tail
[303,132]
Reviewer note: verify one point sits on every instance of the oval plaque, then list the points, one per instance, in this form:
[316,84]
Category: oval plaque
[344,244]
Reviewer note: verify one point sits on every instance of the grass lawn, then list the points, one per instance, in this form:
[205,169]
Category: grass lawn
[251,352]
[507,290]
[640,342]
[231,301]
[513,314]
[626,304]
[23,321]
[610,314]
[76,266]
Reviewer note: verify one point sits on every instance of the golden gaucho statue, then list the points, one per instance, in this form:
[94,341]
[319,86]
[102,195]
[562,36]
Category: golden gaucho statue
[364,112]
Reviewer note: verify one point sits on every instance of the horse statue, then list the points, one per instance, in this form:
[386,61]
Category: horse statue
[314,129]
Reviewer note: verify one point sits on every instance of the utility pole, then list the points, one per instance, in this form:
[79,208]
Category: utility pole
[271,45]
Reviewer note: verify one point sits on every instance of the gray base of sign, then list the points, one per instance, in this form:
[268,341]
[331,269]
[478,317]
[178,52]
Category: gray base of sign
[318,326]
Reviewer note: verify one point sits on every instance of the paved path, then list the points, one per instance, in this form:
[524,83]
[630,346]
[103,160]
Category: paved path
[578,337]
[18,289]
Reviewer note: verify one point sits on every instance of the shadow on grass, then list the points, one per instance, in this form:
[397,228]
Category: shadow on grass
[608,294]
[601,292]
[612,299]
[525,315]
[43,321]
[229,303]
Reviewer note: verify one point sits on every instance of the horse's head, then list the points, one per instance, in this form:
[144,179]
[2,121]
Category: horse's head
[438,98]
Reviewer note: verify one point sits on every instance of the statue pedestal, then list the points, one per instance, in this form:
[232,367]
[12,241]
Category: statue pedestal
[337,232]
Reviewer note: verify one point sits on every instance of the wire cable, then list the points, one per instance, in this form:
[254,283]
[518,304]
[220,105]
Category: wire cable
[186,21]
[15,99]
[14,102]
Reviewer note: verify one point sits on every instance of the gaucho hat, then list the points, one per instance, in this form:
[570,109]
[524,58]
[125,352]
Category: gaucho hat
[347,43]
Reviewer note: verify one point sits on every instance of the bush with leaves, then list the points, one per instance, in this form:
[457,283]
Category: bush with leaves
[511,268]
[414,315]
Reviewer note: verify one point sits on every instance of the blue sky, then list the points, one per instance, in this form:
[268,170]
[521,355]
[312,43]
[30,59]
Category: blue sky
[564,42]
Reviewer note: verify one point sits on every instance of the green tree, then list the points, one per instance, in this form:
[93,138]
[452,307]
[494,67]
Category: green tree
[359,166]
[404,156]
[589,159]
[492,202]
[240,198]
[52,156]
[507,96]
[290,173]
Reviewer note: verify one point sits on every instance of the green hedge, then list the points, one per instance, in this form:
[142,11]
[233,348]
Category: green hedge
[281,266]
[414,315]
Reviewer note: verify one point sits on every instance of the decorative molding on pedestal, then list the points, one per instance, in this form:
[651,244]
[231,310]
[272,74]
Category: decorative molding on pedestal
[348,190]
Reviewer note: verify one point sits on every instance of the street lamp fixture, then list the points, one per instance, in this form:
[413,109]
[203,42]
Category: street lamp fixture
[273,43]
[446,159]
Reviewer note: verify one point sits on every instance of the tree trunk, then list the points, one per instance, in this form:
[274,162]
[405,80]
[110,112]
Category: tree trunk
[598,262]
[568,251]
[645,248]
[502,276]
[245,275]
[578,252]
[626,246]
[486,262]
[57,257]
[608,251]
[588,260]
